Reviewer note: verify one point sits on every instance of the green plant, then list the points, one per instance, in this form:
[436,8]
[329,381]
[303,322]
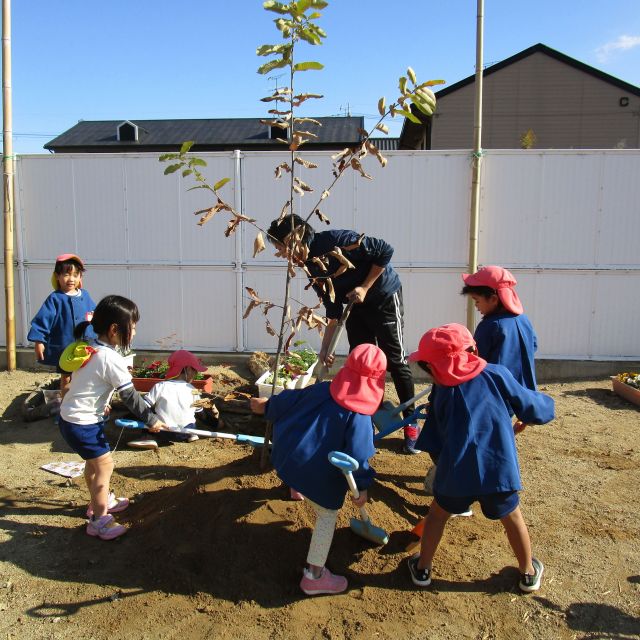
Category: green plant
[155,369]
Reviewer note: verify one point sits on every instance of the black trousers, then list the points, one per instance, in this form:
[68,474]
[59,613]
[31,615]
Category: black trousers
[384,326]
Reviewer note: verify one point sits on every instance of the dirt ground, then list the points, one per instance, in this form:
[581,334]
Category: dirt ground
[215,548]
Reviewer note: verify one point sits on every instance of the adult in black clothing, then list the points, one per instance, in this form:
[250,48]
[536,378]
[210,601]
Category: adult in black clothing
[378,315]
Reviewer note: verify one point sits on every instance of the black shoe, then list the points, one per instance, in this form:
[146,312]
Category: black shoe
[529,583]
[419,577]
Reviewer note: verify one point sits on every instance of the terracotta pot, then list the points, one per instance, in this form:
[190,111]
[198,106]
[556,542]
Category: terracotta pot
[626,391]
[144,384]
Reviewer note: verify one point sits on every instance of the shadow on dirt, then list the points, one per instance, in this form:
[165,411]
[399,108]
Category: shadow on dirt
[591,617]
[226,532]
[604,397]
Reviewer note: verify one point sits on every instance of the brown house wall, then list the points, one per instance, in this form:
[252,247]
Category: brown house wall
[565,107]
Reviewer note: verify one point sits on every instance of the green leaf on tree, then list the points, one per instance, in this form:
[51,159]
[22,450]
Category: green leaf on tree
[278,63]
[197,162]
[277,7]
[167,156]
[220,183]
[186,146]
[172,168]
[306,66]
[187,172]
[408,115]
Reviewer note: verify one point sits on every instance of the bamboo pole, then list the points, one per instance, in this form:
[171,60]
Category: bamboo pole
[7,177]
[477,160]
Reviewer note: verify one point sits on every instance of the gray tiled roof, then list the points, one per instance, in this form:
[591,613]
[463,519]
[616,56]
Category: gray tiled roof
[222,132]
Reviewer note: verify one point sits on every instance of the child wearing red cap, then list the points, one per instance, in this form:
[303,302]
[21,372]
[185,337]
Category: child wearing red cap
[67,306]
[310,423]
[173,399]
[504,335]
[468,433]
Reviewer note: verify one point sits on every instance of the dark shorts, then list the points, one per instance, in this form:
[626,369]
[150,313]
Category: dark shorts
[88,441]
[494,505]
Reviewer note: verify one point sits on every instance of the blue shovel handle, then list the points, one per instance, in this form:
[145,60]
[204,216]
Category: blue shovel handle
[418,414]
[343,461]
[127,423]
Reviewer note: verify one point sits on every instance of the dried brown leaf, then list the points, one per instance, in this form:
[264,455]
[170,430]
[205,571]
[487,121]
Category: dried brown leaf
[322,217]
[306,163]
[258,244]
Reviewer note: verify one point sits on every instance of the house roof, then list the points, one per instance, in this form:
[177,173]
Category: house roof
[542,48]
[208,134]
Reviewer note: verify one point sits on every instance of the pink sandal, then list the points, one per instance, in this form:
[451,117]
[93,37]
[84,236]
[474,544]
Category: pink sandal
[114,505]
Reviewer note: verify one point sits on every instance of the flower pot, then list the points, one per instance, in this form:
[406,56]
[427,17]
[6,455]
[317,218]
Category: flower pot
[144,384]
[264,387]
[625,391]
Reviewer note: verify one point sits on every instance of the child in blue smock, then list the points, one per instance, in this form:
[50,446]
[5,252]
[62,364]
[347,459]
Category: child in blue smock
[504,335]
[469,434]
[310,423]
[66,307]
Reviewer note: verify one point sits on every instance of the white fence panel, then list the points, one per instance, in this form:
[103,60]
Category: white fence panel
[564,222]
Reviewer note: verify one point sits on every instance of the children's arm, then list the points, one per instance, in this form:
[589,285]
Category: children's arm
[39,349]
[530,407]
[358,444]
[258,405]
[136,404]
[42,321]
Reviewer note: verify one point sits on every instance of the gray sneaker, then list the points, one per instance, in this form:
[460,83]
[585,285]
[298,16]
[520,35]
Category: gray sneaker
[529,583]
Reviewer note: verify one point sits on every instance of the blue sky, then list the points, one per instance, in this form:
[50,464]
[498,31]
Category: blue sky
[143,59]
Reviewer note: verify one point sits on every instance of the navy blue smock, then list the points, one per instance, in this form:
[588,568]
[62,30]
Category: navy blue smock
[307,425]
[509,339]
[469,431]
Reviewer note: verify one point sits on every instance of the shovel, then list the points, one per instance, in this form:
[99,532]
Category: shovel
[364,526]
[385,419]
[321,374]
[254,441]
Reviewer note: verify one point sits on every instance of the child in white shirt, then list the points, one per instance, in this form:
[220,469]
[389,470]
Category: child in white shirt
[172,400]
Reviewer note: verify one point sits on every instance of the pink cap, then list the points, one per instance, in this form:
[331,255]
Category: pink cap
[180,359]
[359,385]
[499,279]
[61,258]
[445,350]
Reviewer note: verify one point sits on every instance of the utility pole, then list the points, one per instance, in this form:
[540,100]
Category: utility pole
[477,161]
[7,178]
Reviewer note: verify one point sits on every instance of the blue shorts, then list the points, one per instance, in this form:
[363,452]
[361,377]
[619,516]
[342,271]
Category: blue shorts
[494,505]
[88,441]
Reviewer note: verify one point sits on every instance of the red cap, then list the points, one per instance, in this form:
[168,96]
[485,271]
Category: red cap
[445,350]
[499,279]
[180,359]
[359,385]
[62,258]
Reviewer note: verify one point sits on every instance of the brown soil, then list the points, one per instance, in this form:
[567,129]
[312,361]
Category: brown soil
[215,548]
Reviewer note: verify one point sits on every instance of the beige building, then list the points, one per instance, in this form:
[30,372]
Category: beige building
[559,102]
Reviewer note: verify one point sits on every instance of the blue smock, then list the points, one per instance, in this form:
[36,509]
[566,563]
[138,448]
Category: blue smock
[307,425]
[469,431]
[509,339]
[54,323]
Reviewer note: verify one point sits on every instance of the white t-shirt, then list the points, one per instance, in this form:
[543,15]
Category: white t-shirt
[172,401]
[93,385]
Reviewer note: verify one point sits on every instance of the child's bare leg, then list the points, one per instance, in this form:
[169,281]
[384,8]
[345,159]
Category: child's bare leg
[98,474]
[434,524]
[65,381]
[518,536]
[321,538]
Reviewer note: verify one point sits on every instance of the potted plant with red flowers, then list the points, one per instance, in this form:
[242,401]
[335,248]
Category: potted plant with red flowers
[148,374]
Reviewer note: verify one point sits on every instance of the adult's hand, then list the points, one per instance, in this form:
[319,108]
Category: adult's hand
[358,294]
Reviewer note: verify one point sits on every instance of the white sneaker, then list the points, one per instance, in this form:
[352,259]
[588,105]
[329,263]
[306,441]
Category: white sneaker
[464,514]
[143,444]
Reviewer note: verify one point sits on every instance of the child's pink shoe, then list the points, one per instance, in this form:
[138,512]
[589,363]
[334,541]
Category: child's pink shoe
[295,495]
[114,505]
[105,528]
[326,583]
